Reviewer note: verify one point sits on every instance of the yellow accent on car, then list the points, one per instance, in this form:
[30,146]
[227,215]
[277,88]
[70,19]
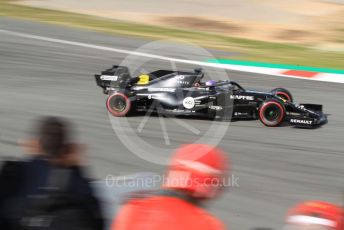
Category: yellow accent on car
[143,79]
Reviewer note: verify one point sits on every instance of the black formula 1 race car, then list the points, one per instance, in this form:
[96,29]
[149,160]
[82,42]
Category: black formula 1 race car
[184,93]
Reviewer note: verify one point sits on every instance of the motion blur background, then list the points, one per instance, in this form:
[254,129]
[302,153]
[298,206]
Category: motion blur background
[276,170]
[302,21]
[301,32]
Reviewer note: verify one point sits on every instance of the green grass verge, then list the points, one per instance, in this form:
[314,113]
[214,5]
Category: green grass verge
[251,50]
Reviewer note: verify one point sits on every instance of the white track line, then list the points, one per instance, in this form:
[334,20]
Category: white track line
[250,69]
[98,47]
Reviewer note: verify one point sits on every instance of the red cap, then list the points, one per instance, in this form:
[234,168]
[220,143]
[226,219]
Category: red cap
[199,169]
[318,213]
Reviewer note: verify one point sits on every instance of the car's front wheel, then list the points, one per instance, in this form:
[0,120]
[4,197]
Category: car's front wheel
[118,104]
[272,113]
[282,93]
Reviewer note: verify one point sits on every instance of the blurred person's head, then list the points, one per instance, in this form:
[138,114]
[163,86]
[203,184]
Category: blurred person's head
[199,170]
[315,215]
[51,137]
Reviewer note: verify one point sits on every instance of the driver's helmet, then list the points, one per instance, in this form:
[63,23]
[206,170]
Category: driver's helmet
[210,83]
[315,215]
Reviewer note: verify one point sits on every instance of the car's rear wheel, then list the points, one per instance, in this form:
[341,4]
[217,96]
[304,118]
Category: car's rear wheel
[118,104]
[272,113]
[283,94]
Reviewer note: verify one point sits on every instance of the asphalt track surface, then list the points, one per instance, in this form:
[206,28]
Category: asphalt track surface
[276,167]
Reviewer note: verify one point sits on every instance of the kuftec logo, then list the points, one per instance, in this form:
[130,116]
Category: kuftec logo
[189,102]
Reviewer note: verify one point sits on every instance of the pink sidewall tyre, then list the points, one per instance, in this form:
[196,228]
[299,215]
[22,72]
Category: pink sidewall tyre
[272,113]
[118,104]
[283,93]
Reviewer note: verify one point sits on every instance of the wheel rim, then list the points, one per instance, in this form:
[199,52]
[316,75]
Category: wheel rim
[272,113]
[118,104]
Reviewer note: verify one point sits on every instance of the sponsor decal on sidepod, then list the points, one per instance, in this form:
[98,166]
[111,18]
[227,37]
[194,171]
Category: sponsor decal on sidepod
[108,78]
[242,97]
[189,102]
[215,107]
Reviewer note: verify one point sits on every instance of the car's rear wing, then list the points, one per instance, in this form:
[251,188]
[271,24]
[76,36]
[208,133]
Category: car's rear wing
[114,77]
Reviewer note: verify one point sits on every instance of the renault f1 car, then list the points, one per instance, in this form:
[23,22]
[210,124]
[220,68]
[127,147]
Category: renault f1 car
[184,93]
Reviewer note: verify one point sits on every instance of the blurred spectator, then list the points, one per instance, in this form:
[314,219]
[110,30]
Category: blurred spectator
[315,215]
[49,190]
[196,174]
